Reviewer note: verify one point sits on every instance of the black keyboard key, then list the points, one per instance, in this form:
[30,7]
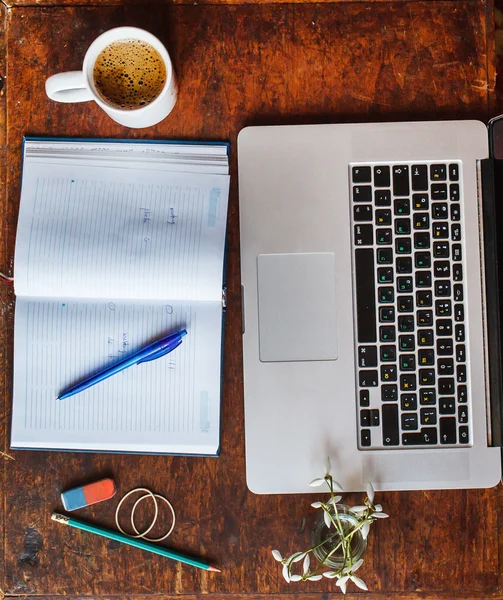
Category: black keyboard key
[454,172]
[368,378]
[446,406]
[424,318]
[365,418]
[464,437]
[365,295]
[382,198]
[428,416]
[443,327]
[422,260]
[426,358]
[390,425]
[425,337]
[383,237]
[387,353]
[362,193]
[408,382]
[402,207]
[365,438]
[389,393]
[447,430]
[426,377]
[385,275]
[422,241]
[445,347]
[440,230]
[386,314]
[456,232]
[458,292]
[462,394]
[403,245]
[421,221]
[446,386]
[388,373]
[459,312]
[419,176]
[385,256]
[442,288]
[441,249]
[457,272]
[401,180]
[362,175]
[408,401]
[386,295]
[374,418]
[423,279]
[462,414]
[409,421]
[454,192]
[405,304]
[442,268]
[387,333]
[459,333]
[364,398]
[455,212]
[404,264]
[383,217]
[420,201]
[405,324]
[427,396]
[404,284]
[402,226]
[439,191]
[461,373]
[460,353]
[407,362]
[364,235]
[438,172]
[381,176]
[424,298]
[443,308]
[367,356]
[426,437]
[439,210]
[406,342]
[362,212]
[445,366]
[457,253]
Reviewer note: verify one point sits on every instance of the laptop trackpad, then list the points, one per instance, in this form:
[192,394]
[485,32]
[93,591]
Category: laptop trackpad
[296,307]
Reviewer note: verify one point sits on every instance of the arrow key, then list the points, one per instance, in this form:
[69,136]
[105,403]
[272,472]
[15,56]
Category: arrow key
[448,430]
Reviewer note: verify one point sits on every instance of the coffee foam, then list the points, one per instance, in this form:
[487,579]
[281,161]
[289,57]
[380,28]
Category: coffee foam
[129,74]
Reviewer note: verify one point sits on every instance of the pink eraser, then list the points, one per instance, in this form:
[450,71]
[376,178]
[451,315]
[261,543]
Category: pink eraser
[78,497]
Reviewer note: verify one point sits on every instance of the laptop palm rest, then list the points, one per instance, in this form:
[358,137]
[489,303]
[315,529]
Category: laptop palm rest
[297,307]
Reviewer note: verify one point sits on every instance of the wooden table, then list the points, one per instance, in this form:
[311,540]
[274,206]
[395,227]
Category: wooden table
[237,64]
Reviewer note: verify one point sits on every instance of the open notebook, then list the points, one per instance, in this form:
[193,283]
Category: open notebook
[119,244]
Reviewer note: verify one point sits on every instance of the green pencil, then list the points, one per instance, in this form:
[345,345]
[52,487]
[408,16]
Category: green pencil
[119,537]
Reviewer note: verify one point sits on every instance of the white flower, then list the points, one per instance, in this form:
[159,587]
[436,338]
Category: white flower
[286,573]
[295,577]
[334,500]
[354,567]
[365,529]
[328,520]
[379,515]
[370,492]
[316,504]
[342,583]
[317,482]
[328,466]
[330,574]
[314,577]
[359,582]
[277,555]
[358,509]
[305,565]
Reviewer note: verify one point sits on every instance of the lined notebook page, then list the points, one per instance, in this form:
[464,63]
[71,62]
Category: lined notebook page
[167,405]
[91,232]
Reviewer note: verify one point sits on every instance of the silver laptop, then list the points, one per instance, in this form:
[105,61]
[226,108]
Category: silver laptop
[370,305]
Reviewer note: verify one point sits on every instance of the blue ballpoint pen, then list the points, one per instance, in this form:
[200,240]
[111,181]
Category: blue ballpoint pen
[155,350]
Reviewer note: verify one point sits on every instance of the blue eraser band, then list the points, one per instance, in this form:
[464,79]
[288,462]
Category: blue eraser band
[73,499]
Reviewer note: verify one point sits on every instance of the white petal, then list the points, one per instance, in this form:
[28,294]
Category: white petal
[357,565]
[342,583]
[334,500]
[359,582]
[306,563]
[378,507]
[328,521]
[358,509]
[329,574]
[286,573]
[365,529]
[379,515]
[317,482]
[277,555]
[316,504]
[337,486]
[370,492]
[328,465]
[296,556]
[314,577]
[295,577]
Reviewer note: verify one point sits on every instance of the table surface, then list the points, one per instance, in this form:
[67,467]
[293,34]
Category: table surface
[237,64]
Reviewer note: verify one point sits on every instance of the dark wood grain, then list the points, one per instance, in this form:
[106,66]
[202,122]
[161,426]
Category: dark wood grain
[241,65]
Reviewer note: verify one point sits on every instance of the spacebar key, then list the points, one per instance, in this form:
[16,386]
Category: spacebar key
[390,436]
[365,295]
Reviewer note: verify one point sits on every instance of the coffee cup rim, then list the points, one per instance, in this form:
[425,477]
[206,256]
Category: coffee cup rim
[114,35]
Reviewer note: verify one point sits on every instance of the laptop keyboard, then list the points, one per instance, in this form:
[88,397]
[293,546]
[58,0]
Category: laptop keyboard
[411,326]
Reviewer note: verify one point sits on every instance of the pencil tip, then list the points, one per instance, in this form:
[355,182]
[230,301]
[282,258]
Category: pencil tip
[211,568]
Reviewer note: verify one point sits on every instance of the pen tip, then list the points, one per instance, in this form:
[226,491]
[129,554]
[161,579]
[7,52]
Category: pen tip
[183,332]
[211,568]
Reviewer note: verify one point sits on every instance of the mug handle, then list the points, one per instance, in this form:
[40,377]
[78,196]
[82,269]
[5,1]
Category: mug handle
[68,87]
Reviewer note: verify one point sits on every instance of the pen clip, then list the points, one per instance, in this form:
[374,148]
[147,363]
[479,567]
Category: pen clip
[161,352]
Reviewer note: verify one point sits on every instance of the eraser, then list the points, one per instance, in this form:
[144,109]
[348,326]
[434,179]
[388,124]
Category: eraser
[78,497]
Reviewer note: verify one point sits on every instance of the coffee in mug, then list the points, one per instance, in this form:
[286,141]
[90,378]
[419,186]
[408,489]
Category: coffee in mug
[128,72]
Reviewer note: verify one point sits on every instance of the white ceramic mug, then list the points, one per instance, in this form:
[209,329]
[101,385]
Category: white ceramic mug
[79,86]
